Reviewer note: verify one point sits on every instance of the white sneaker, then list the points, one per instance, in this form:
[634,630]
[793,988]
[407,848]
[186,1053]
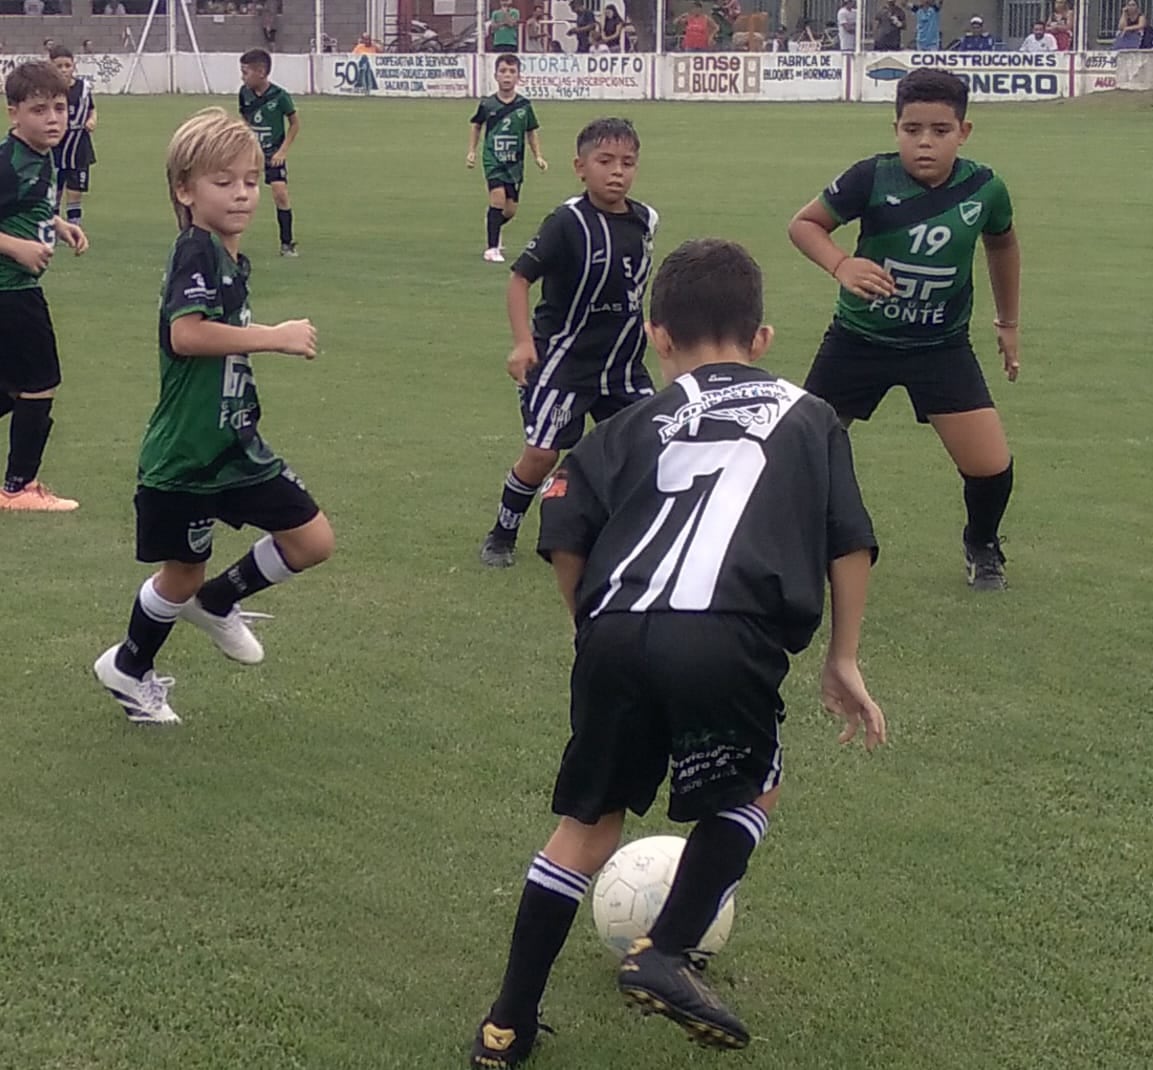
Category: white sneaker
[494,256]
[232,634]
[144,701]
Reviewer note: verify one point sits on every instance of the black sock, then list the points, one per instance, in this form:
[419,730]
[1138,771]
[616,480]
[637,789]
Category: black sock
[493,223]
[7,403]
[986,498]
[257,570]
[28,435]
[75,213]
[284,221]
[151,621]
[713,862]
[548,906]
[515,499]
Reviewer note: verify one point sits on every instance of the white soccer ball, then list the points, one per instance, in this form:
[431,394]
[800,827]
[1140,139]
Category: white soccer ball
[633,887]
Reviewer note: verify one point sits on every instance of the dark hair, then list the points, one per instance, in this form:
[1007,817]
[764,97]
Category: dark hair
[708,291]
[601,130]
[60,52]
[257,57]
[926,86]
[509,59]
[37,78]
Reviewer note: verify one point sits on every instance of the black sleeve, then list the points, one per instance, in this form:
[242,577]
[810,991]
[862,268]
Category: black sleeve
[9,189]
[571,513]
[848,526]
[847,196]
[479,118]
[192,284]
[240,104]
[548,249]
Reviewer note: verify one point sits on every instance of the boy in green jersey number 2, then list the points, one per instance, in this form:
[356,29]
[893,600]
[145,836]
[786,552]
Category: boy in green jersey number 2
[507,120]
[29,226]
[271,113]
[202,458]
[906,297]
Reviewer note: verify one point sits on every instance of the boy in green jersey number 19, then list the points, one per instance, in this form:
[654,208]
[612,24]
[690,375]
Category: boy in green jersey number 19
[906,297]
[202,458]
[507,120]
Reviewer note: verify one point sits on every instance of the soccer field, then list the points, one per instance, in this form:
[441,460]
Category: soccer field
[319,868]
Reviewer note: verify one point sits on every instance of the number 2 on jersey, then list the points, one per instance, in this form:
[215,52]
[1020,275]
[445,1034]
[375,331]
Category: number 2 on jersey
[934,239]
[709,529]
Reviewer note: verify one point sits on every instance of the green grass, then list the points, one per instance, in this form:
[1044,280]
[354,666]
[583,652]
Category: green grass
[319,868]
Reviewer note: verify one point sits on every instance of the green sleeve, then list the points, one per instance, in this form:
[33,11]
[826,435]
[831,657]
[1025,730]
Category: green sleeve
[289,105]
[1000,218]
[531,122]
[9,189]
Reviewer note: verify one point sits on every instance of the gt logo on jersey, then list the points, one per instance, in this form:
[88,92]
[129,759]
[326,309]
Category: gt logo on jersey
[915,282]
[505,147]
[237,376]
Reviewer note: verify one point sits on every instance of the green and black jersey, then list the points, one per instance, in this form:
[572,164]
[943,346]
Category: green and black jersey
[506,125]
[924,237]
[202,436]
[267,113]
[27,205]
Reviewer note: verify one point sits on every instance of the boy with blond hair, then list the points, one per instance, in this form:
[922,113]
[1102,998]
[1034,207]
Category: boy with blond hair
[203,458]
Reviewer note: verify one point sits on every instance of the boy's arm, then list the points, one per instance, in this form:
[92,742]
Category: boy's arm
[473,140]
[534,148]
[1003,254]
[27,252]
[568,569]
[279,155]
[523,356]
[90,123]
[71,235]
[810,231]
[194,336]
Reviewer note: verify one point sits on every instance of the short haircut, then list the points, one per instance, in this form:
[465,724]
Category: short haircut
[928,86]
[38,78]
[508,59]
[708,291]
[257,57]
[209,141]
[601,130]
[60,52]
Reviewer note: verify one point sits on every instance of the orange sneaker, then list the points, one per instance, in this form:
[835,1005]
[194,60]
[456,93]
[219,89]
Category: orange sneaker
[36,498]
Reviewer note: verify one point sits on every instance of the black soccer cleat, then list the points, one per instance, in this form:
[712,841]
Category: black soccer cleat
[495,1048]
[672,986]
[985,566]
[496,552]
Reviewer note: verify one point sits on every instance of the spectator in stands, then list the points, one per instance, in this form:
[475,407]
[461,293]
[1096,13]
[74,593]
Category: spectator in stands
[87,46]
[1040,40]
[597,40]
[890,27]
[847,26]
[975,38]
[585,21]
[365,45]
[697,29]
[555,46]
[268,26]
[1061,25]
[536,31]
[114,8]
[33,7]
[1130,29]
[614,29]
[505,28]
[927,37]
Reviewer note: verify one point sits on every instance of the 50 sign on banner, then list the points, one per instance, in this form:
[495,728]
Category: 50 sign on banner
[576,76]
[429,74]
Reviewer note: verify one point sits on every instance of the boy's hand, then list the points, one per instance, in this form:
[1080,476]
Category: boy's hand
[31,254]
[297,338]
[277,159]
[90,124]
[470,160]
[542,163]
[72,236]
[521,360]
[845,696]
[864,278]
[1009,345]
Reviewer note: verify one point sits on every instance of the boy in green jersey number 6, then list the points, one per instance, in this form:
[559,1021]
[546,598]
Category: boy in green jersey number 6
[202,458]
[906,297]
[507,120]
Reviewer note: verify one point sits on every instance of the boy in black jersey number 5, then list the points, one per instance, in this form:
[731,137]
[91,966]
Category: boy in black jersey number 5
[906,296]
[691,537]
[582,353]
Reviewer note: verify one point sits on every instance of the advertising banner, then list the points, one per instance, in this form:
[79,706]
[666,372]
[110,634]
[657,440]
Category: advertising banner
[991,75]
[577,76]
[754,76]
[426,74]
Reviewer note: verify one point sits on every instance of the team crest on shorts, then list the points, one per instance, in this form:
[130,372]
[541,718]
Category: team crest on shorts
[200,535]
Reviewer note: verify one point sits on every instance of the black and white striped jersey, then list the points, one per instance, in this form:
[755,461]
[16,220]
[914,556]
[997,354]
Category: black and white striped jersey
[75,152]
[729,492]
[589,324]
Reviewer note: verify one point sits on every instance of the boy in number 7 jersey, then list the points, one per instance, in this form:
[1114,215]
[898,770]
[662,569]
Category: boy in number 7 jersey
[906,296]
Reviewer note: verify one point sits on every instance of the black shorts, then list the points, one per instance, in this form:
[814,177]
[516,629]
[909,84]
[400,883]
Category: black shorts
[174,525]
[700,690]
[853,374]
[554,418]
[275,173]
[29,362]
[74,180]
[511,189]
